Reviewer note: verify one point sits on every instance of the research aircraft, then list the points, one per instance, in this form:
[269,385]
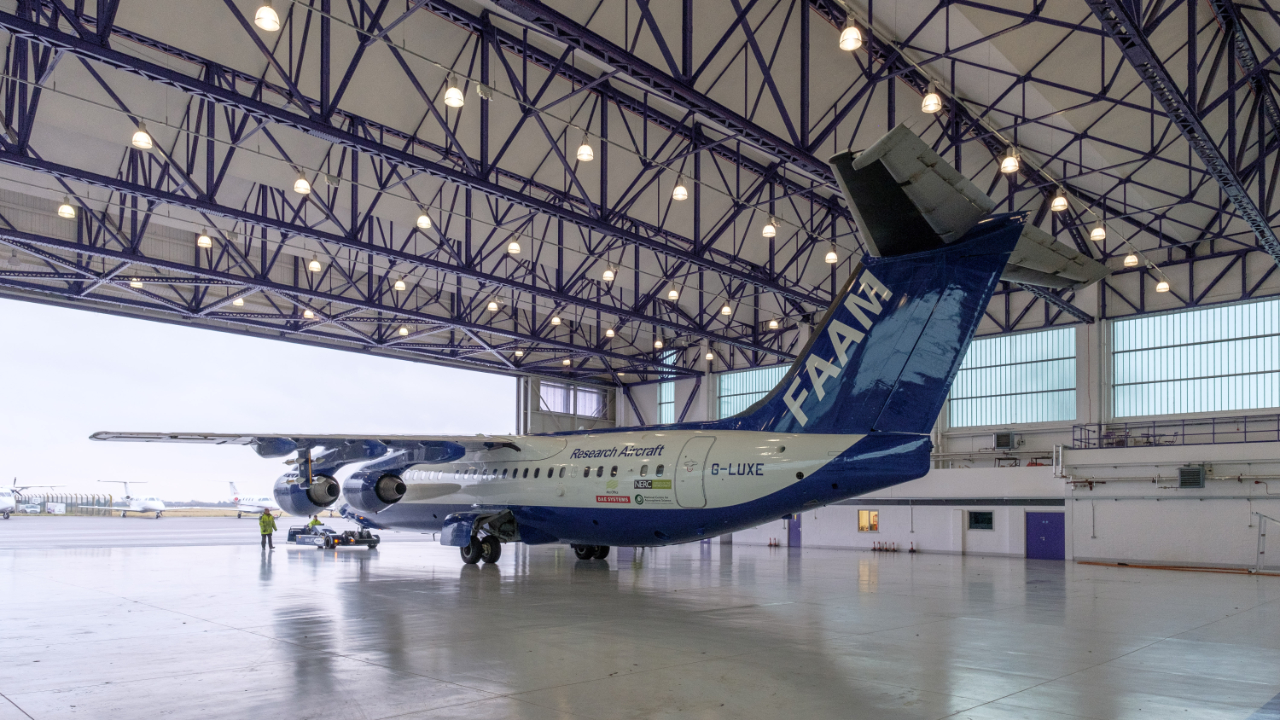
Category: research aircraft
[133,504]
[852,415]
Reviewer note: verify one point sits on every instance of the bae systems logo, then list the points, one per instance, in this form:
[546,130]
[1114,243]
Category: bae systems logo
[863,305]
[617,499]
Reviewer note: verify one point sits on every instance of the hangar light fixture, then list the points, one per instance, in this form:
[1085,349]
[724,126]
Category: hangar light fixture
[135,283]
[519,353]
[773,324]
[680,192]
[609,333]
[267,18]
[453,96]
[1131,260]
[770,228]
[608,274]
[13,259]
[142,138]
[424,220]
[585,153]
[404,330]
[513,248]
[308,314]
[301,185]
[1059,201]
[1010,163]
[399,286]
[204,241]
[555,319]
[726,310]
[493,306]
[238,302]
[932,102]
[850,37]
[1162,286]
[1099,232]
[565,362]
[314,265]
[831,257]
[66,209]
[673,294]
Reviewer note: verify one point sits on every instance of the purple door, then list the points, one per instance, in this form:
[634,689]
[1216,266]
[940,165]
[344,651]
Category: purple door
[1046,536]
[793,531]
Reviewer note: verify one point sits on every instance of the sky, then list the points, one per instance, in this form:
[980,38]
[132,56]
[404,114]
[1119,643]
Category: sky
[65,374]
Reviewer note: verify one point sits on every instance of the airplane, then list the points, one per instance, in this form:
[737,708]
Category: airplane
[12,495]
[138,504]
[253,505]
[853,414]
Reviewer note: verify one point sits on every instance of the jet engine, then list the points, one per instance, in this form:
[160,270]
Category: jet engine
[299,496]
[373,490]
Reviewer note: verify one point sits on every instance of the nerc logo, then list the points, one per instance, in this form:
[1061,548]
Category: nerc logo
[863,305]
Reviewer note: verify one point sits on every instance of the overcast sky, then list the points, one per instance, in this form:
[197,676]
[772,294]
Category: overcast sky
[67,373]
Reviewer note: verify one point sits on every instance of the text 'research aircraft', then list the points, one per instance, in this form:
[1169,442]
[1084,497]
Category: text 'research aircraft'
[138,504]
[852,415]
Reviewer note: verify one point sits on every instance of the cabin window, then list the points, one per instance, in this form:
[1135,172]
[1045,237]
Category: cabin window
[536,471]
[526,472]
[561,471]
[657,472]
[644,470]
[504,473]
[868,521]
[551,471]
[613,472]
[600,471]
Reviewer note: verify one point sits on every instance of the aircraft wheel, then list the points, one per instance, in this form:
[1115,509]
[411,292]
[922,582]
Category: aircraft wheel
[490,549]
[584,552]
[602,552]
[238,515]
[121,513]
[157,516]
[472,552]
[6,516]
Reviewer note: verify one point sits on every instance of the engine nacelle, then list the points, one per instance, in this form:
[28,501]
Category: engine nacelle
[302,497]
[373,490]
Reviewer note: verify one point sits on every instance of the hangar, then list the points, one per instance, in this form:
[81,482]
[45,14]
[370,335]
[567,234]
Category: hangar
[628,206]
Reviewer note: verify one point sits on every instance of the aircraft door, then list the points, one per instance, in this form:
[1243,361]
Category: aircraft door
[689,472]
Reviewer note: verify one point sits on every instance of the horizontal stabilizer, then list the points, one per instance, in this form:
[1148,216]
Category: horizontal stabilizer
[905,197]
[1038,259]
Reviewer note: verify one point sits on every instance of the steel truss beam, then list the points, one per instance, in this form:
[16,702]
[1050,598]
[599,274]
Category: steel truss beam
[1130,36]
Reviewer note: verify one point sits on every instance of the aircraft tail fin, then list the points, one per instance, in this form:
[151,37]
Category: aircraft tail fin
[234,492]
[883,357]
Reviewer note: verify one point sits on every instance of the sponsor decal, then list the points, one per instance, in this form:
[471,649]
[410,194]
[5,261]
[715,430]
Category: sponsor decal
[656,484]
[737,469]
[641,499]
[862,306]
[613,499]
[625,451]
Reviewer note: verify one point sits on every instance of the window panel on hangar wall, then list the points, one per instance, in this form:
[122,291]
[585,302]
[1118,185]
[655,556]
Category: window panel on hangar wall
[1023,378]
[1207,360]
[738,390]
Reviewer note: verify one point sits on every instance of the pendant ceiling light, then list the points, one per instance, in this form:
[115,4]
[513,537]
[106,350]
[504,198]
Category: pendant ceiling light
[680,192]
[66,209]
[608,274]
[850,37]
[1162,286]
[238,302]
[301,185]
[1060,202]
[673,294]
[773,324]
[726,310]
[1099,232]
[932,102]
[314,266]
[585,153]
[1131,260]
[267,18]
[308,314]
[657,344]
[424,220]
[770,228]
[1010,163]
[203,240]
[513,248]
[142,138]
[404,331]
[555,320]
[453,96]
[399,286]
[831,257]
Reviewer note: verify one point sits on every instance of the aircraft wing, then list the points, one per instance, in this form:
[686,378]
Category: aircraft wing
[280,445]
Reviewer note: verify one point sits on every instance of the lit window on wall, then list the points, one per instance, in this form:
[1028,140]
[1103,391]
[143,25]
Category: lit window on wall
[868,521]
[1024,378]
[982,520]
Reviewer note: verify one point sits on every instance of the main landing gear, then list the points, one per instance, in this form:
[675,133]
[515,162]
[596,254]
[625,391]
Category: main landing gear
[489,550]
[238,515]
[588,552]
[157,516]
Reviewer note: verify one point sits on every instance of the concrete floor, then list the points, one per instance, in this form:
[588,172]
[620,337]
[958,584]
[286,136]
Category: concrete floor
[698,631]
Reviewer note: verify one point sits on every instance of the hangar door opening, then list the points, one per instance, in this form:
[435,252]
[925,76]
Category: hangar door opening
[689,472]
[1046,536]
